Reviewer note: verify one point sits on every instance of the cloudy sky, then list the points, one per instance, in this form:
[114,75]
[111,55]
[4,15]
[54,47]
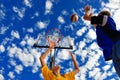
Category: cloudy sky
[22,21]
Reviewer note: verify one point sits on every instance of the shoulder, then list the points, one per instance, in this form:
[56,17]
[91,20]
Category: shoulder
[45,68]
[110,19]
[69,74]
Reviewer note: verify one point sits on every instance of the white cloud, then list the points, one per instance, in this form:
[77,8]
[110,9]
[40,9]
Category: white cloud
[23,55]
[94,46]
[87,23]
[13,51]
[2,77]
[2,48]
[26,58]
[94,72]
[11,75]
[36,64]
[91,34]
[90,65]
[81,31]
[64,12]
[12,62]
[41,24]
[28,3]
[103,76]
[106,67]
[28,40]
[82,44]
[2,14]
[2,70]
[35,69]
[18,68]
[63,54]
[30,30]
[82,53]
[23,43]
[116,17]
[36,14]
[3,29]
[113,4]
[48,6]
[61,19]
[20,12]
[15,34]
[83,71]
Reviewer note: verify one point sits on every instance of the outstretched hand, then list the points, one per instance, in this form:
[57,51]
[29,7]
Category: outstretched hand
[88,14]
[87,8]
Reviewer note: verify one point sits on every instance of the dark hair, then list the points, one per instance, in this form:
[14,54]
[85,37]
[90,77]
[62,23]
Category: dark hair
[104,13]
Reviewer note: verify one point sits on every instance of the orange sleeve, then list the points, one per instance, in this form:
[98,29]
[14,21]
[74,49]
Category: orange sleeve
[45,72]
[70,76]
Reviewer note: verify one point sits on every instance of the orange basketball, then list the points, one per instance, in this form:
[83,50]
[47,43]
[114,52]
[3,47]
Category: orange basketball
[74,17]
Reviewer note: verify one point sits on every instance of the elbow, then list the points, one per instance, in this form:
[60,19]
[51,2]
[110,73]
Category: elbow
[40,58]
[78,70]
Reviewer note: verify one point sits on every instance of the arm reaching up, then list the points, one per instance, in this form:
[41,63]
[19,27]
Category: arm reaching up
[76,70]
[43,56]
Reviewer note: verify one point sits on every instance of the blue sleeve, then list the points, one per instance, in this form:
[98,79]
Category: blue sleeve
[110,30]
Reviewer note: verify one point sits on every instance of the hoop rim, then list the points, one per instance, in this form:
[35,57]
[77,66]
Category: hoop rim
[54,29]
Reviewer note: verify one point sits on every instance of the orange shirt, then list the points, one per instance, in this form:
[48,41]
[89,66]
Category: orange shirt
[48,75]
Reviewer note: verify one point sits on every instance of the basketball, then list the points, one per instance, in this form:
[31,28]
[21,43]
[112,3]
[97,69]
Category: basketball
[74,17]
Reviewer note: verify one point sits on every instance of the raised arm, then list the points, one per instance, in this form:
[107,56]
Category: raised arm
[96,20]
[76,70]
[43,56]
[88,14]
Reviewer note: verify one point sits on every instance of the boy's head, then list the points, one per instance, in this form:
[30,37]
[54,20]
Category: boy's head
[104,13]
[56,69]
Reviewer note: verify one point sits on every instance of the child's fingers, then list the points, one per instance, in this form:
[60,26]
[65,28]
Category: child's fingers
[87,8]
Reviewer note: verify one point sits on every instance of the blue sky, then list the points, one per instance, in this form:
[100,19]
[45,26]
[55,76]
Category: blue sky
[21,21]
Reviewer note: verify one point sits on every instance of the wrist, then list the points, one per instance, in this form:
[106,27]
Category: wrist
[50,48]
[87,12]
[89,18]
[86,17]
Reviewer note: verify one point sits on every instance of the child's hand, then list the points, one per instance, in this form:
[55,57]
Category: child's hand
[51,43]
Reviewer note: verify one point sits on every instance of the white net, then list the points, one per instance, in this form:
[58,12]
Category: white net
[54,34]
[65,41]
